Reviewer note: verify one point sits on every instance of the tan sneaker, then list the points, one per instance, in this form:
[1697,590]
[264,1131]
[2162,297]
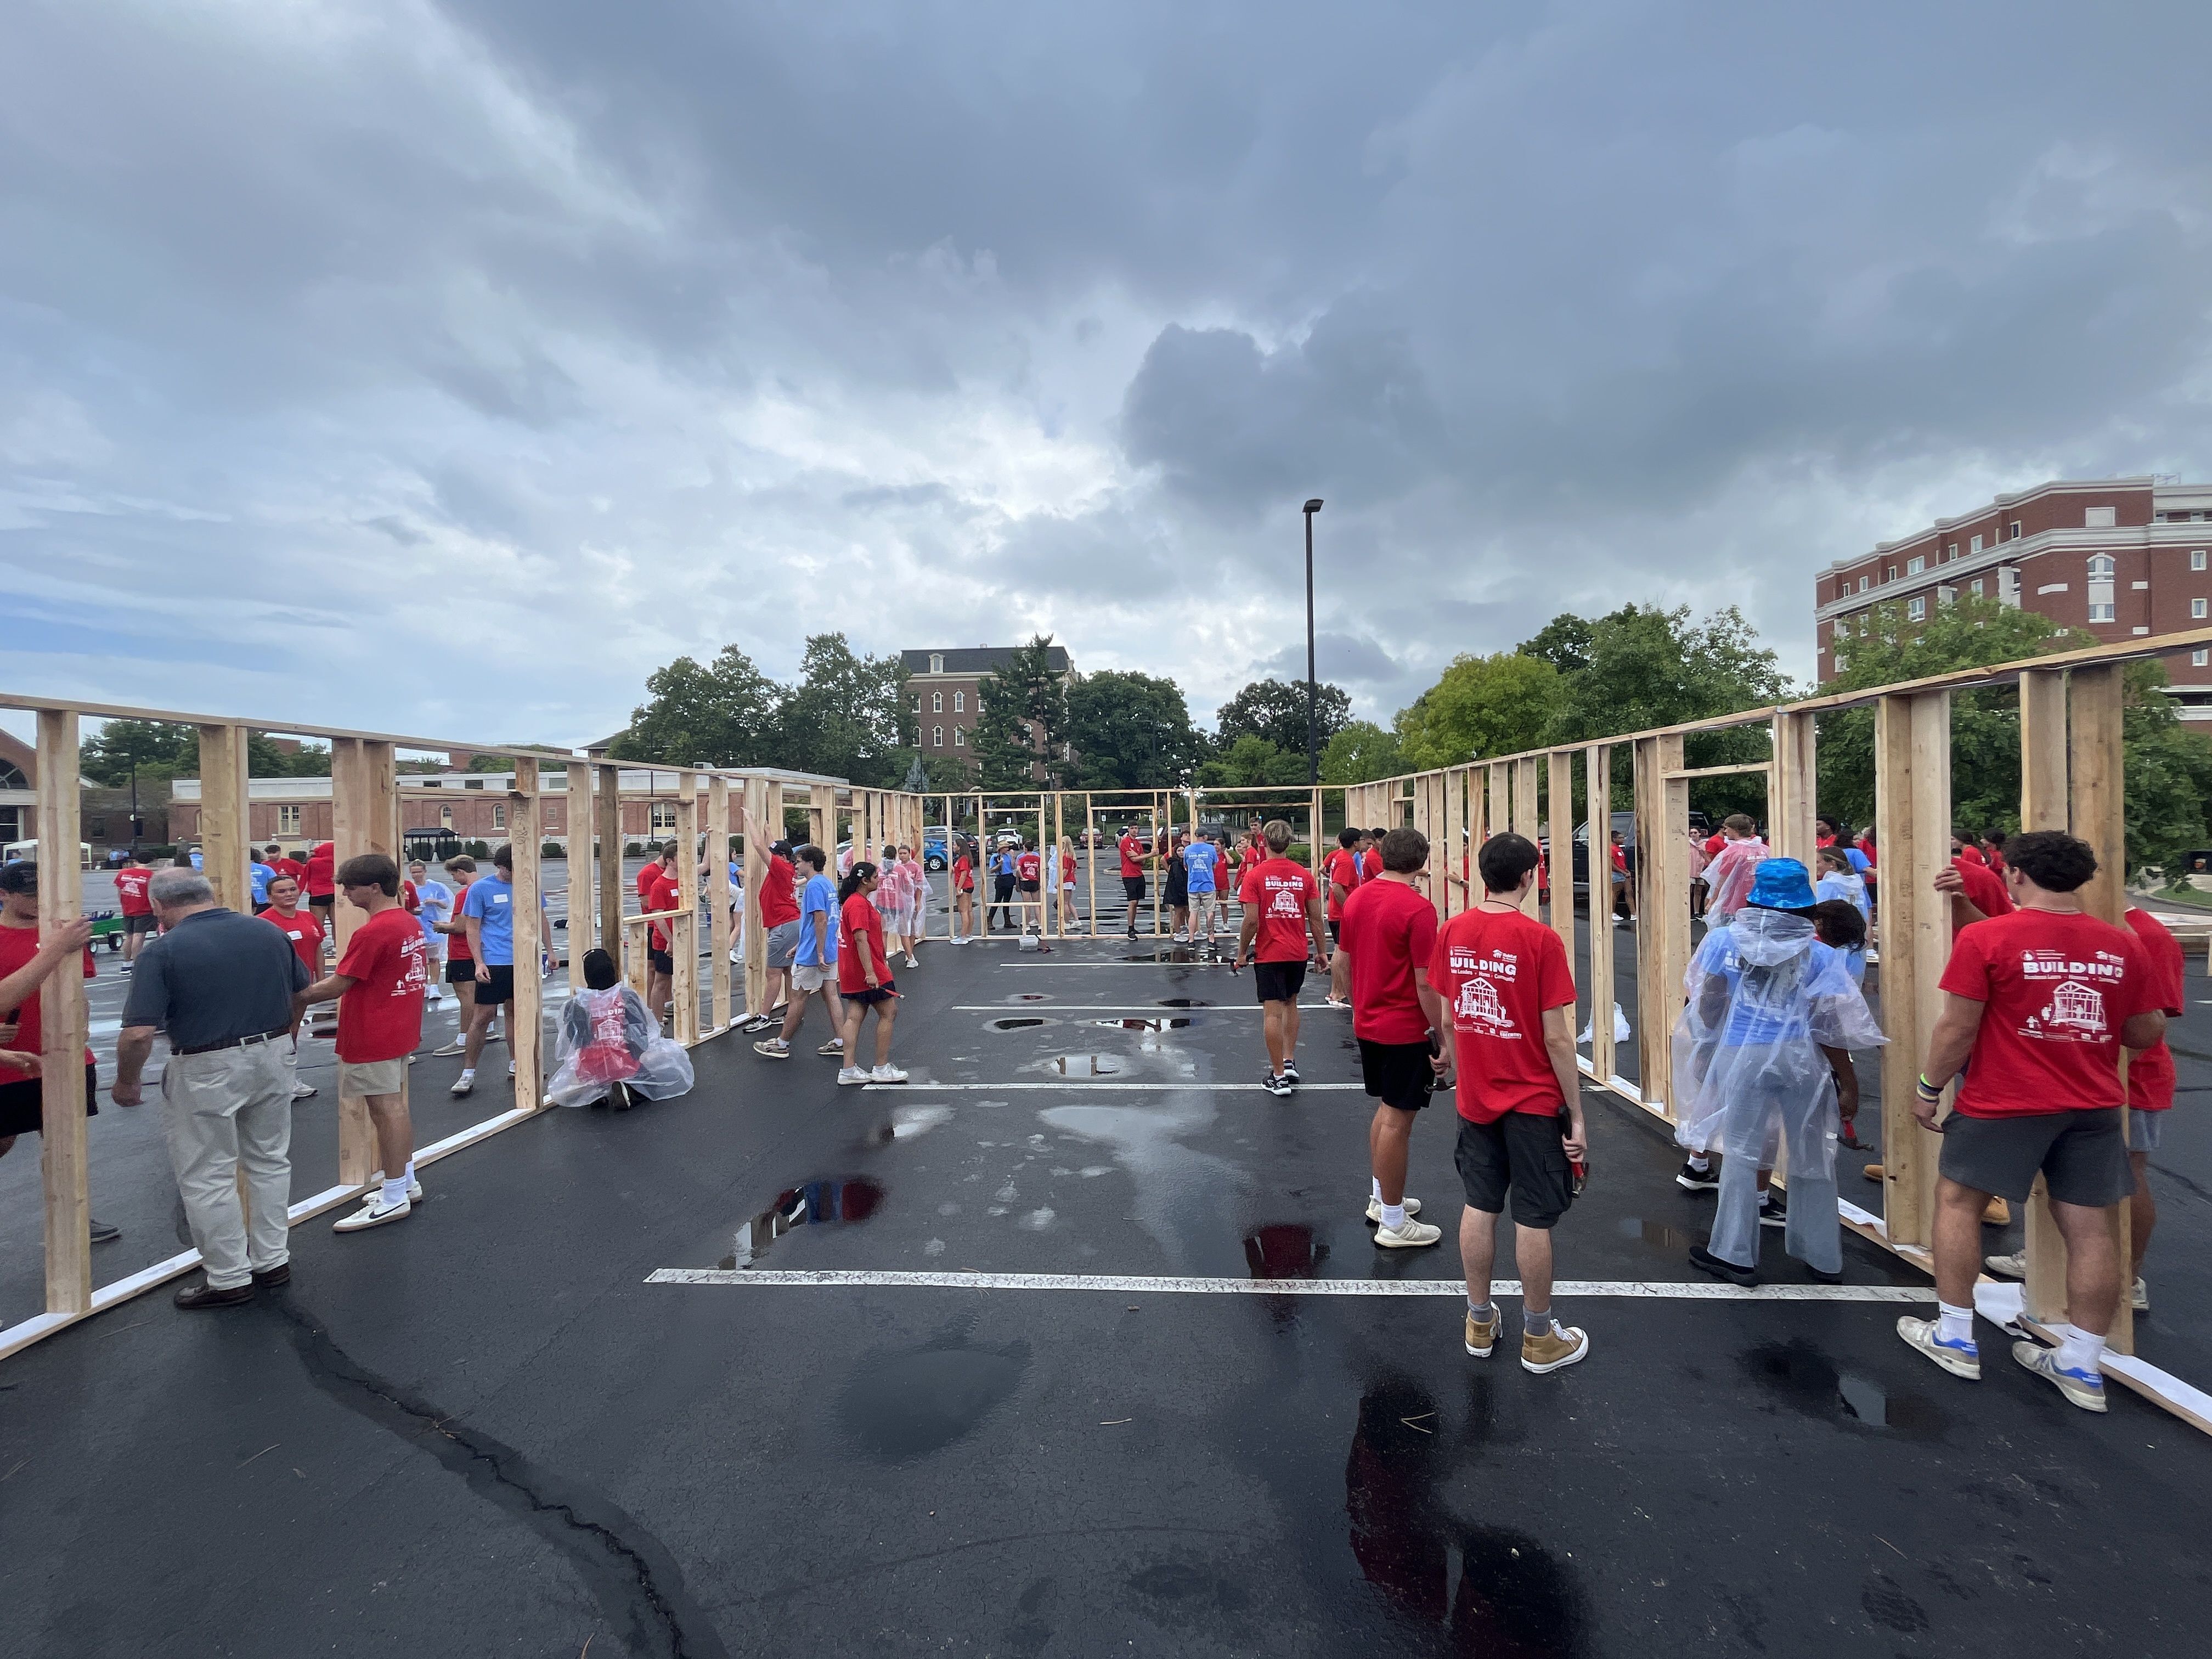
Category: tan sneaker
[1872,1172]
[1481,1336]
[1563,1345]
[1996,1213]
[1412,1236]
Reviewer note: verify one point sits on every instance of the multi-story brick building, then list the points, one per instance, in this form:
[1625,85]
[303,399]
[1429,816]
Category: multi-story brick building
[943,688]
[2118,558]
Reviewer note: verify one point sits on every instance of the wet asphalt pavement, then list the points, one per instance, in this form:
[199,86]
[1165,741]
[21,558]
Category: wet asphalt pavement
[482,1431]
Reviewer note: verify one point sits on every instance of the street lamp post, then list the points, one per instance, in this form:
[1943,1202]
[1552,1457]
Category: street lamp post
[1313,690]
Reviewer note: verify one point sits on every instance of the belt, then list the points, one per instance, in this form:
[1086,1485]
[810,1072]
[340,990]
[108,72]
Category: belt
[254,1041]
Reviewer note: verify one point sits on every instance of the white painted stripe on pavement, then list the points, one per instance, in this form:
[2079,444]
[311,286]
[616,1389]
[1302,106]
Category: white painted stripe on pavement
[1665,1289]
[1016,1009]
[1081,1083]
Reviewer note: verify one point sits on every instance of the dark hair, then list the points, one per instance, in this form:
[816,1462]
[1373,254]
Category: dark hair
[1964,837]
[599,971]
[1405,851]
[21,877]
[859,874]
[1504,860]
[1835,827]
[810,854]
[1741,823]
[460,861]
[2053,859]
[504,859]
[281,876]
[370,870]
[273,848]
[1994,837]
[1376,834]
[1349,836]
[1837,922]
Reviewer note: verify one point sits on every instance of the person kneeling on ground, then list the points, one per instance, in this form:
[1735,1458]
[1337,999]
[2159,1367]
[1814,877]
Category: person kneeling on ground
[1760,1052]
[2036,1007]
[1499,982]
[609,1048]
[1387,935]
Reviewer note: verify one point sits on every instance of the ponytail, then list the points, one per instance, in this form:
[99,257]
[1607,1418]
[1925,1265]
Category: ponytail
[860,873]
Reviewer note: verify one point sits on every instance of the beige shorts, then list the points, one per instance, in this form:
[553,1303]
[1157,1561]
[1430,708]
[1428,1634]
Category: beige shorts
[804,978]
[372,1077]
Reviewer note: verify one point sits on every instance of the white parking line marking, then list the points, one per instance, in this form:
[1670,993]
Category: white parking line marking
[1120,1284]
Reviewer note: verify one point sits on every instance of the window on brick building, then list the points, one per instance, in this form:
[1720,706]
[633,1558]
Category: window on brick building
[2196,558]
[288,820]
[1975,546]
[499,818]
[936,663]
[663,815]
[2012,530]
[445,818]
[2197,609]
[1916,608]
[1913,567]
[959,736]
[2101,568]
[1890,573]
[936,737]
[1974,587]
[1864,582]
[937,702]
[2199,658]
[959,702]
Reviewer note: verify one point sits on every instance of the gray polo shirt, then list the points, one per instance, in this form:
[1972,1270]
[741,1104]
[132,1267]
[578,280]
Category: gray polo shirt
[215,976]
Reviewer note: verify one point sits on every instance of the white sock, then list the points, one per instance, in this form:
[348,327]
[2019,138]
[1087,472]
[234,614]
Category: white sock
[394,1192]
[1393,1216]
[410,1171]
[467,1071]
[2080,1351]
[1953,1324]
[1701,1163]
[1375,1188]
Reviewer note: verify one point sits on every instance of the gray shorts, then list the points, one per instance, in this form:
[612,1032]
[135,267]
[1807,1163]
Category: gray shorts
[2079,1154]
[783,945]
[2145,1130]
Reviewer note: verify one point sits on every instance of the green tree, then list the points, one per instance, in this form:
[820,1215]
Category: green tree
[1131,731]
[724,712]
[1276,711]
[1479,707]
[158,749]
[1251,761]
[1362,752]
[847,716]
[1020,733]
[1564,642]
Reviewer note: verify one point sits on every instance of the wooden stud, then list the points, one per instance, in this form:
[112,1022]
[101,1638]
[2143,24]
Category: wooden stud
[1597,774]
[611,844]
[1559,811]
[1525,820]
[683,928]
[578,814]
[525,1037]
[226,820]
[64,1161]
[1912,795]
[363,788]
[1662,927]
[757,845]
[718,886]
[1791,788]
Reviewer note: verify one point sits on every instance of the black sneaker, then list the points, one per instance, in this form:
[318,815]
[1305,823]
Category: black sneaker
[1706,1262]
[1291,1072]
[1775,1212]
[1279,1086]
[1694,1180]
[103,1231]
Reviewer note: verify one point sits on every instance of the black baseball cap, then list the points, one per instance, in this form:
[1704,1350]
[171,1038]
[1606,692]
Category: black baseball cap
[21,877]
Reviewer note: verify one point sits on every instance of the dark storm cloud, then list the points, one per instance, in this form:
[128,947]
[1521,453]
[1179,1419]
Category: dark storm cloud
[612,332]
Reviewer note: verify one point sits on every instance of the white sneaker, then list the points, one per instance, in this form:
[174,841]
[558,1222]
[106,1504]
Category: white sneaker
[510,1068]
[2139,1297]
[2008,1267]
[2085,1390]
[375,1213]
[851,1074]
[1960,1361]
[1413,1235]
[910,961]
[463,1085]
[1375,1207]
[887,1074]
[303,1091]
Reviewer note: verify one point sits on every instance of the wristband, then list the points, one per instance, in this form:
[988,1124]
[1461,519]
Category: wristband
[1928,1089]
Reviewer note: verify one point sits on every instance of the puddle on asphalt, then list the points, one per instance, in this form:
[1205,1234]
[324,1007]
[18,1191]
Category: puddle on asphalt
[1162,1023]
[1809,1381]
[818,1203]
[1286,1250]
[1027,996]
[1657,1234]
[1018,1023]
[1180,953]
[1081,1066]
[907,1122]
[905,1403]
[1184,1002]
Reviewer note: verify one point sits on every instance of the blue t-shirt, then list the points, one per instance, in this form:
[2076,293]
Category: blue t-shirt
[819,898]
[1198,860]
[1858,859]
[260,875]
[491,901]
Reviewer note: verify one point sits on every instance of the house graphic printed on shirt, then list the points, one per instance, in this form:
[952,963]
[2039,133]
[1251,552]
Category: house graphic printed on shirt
[1478,1003]
[2078,1008]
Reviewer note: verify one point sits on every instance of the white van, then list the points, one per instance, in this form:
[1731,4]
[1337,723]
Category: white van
[29,849]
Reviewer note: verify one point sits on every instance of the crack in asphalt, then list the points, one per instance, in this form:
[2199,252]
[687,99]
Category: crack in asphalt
[630,1572]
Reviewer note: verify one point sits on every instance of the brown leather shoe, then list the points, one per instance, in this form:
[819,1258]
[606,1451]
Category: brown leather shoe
[272,1277]
[205,1295]
[1996,1213]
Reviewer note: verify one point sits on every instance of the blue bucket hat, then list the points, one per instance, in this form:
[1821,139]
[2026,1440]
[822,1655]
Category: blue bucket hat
[1781,885]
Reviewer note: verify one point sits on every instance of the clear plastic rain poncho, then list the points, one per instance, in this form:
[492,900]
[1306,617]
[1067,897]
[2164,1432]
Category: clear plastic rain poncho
[1765,997]
[1731,873]
[607,1038]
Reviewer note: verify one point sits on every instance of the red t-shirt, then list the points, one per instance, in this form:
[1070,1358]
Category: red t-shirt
[292,867]
[645,877]
[1371,863]
[1995,859]
[963,875]
[1342,869]
[1282,891]
[1714,842]
[319,870]
[2150,1073]
[305,929]
[662,892]
[457,945]
[1498,972]
[18,945]
[130,888]
[1127,847]
[1390,931]
[1066,868]
[1985,889]
[410,900]
[859,919]
[2058,987]
[1971,853]
[777,903]
[380,1014]
[1027,866]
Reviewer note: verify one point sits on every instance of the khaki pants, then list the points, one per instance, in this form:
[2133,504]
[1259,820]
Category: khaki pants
[224,1111]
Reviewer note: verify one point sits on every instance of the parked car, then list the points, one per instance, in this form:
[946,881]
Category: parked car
[1624,821]
[936,849]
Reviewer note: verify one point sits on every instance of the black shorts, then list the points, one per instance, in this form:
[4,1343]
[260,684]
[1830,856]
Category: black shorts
[1335,936]
[1278,981]
[460,971]
[144,924]
[1522,1154]
[20,1100]
[1397,1073]
[869,995]
[2082,1155]
[1027,886]
[1133,888]
[321,901]
[664,962]
[500,987]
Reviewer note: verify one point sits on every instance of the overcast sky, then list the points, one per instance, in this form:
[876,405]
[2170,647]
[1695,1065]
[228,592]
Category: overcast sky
[447,367]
